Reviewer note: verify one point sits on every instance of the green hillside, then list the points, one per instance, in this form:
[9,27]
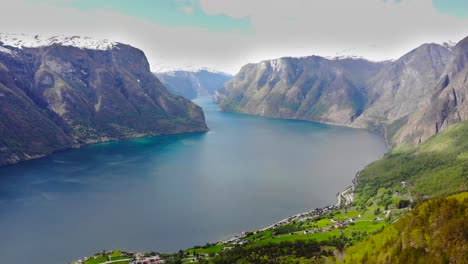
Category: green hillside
[435,168]
[435,231]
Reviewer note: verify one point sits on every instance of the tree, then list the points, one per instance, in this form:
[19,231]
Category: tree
[377,211]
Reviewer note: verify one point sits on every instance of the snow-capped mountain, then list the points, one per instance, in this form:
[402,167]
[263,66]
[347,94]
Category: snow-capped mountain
[192,82]
[61,92]
[35,41]
[163,68]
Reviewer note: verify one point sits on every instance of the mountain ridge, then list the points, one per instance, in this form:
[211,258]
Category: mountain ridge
[21,41]
[61,96]
[380,96]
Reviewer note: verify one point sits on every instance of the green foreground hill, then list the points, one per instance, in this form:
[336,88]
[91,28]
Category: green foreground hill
[435,168]
[436,231]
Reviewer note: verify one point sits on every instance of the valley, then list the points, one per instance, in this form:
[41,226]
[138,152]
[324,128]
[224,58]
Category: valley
[318,159]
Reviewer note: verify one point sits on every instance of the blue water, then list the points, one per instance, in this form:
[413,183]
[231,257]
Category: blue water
[172,192]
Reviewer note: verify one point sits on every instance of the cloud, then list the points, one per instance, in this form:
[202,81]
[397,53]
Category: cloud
[162,45]
[373,28]
[329,26]
[187,10]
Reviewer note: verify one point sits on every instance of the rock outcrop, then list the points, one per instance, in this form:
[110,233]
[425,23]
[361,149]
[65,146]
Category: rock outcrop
[448,104]
[401,88]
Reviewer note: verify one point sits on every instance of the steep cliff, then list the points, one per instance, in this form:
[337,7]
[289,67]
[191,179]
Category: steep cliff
[401,88]
[447,106]
[310,88]
[383,97]
[63,92]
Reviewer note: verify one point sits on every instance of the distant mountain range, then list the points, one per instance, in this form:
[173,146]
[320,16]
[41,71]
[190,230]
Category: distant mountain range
[61,92]
[406,100]
[193,82]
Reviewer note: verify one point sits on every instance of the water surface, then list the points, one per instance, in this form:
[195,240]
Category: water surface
[172,192]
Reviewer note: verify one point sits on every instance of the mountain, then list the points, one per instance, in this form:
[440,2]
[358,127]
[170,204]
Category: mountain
[191,84]
[401,87]
[380,96]
[310,88]
[448,104]
[63,92]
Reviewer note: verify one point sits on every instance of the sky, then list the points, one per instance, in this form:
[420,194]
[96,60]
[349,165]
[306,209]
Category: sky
[226,34]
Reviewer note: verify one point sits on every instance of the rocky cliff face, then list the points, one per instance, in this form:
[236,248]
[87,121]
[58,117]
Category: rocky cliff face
[191,84]
[448,104]
[401,88]
[62,95]
[311,88]
[383,97]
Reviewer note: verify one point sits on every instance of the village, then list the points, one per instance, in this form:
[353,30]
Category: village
[121,257]
[345,198]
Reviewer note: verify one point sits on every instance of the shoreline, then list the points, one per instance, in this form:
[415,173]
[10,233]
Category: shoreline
[95,142]
[346,196]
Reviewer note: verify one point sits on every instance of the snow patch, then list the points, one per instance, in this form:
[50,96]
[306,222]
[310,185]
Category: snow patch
[35,41]
[7,51]
[276,65]
[352,54]
[449,44]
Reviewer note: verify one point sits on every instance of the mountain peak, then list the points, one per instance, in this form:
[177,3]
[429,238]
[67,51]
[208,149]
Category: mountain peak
[35,41]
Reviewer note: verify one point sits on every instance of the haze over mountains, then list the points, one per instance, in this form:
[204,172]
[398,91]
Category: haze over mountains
[192,82]
[62,92]
[407,100]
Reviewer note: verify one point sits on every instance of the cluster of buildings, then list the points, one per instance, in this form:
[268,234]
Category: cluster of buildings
[140,259]
[131,257]
[317,212]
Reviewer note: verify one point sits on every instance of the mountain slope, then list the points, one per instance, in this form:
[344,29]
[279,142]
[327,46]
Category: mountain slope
[401,87]
[433,232]
[191,84]
[447,106]
[437,167]
[69,94]
[311,88]
[352,92]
